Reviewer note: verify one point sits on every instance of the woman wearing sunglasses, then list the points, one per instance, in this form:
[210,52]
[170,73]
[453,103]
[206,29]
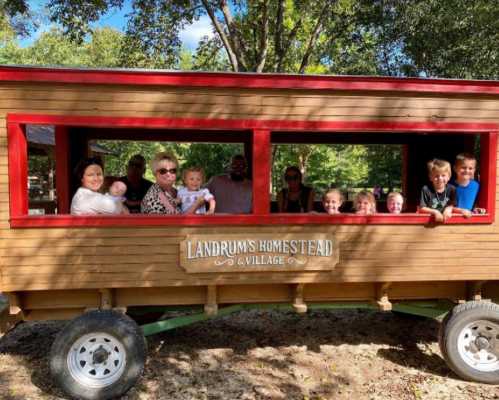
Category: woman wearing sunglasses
[296,198]
[161,196]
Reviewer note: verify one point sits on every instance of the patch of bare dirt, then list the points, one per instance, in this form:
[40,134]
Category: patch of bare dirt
[351,354]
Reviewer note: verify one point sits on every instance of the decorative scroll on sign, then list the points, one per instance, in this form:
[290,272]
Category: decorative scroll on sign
[265,252]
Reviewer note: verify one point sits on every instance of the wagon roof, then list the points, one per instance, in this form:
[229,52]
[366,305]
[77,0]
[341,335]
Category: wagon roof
[244,80]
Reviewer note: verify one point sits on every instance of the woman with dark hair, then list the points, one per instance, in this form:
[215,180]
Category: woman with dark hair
[296,198]
[87,199]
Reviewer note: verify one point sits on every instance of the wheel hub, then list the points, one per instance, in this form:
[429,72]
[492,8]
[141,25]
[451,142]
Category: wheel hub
[482,343]
[97,360]
[478,345]
[100,356]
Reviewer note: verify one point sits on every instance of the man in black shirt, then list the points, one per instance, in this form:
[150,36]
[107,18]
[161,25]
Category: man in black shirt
[137,186]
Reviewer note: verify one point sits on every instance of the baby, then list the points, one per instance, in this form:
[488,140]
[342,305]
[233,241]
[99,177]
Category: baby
[117,192]
[189,194]
[394,202]
[364,203]
[332,201]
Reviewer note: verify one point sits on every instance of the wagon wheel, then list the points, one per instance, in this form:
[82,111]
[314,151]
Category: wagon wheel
[99,355]
[470,341]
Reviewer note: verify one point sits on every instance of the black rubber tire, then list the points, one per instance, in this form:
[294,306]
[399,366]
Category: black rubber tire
[118,325]
[441,331]
[461,316]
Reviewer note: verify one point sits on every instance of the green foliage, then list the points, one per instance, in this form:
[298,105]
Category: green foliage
[17,15]
[53,48]
[339,165]
[121,151]
[452,38]
[213,158]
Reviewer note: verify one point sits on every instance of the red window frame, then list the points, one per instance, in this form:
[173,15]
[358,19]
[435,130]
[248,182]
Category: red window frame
[261,145]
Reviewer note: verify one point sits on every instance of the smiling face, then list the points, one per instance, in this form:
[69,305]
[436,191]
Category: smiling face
[332,203]
[439,179]
[465,171]
[93,177]
[193,180]
[363,206]
[166,174]
[394,204]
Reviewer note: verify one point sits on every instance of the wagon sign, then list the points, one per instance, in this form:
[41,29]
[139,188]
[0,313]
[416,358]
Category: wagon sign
[249,253]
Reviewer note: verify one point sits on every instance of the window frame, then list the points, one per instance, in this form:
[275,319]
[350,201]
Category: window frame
[261,169]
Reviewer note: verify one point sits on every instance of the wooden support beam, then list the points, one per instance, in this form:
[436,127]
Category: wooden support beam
[382,300]
[15,306]
[11,313]
[106,299]
[298,303]
[474,290]
[211,305]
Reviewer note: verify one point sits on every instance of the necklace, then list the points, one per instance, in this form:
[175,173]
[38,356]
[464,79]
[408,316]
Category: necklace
[441,197]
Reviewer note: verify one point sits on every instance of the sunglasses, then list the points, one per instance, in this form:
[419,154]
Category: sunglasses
[136,165]
[163,171]
[291,178]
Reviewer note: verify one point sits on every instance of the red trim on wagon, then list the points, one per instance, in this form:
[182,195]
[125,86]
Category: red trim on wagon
[253,219]
[247,124]
[245,80]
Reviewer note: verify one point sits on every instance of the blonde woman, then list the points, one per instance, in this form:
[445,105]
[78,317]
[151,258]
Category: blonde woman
[161,196]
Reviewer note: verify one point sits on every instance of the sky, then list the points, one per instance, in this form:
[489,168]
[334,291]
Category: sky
[116,19]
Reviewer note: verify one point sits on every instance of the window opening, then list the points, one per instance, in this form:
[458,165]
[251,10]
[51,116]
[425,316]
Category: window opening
[353,162]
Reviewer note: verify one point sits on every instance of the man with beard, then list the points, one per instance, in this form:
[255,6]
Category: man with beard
[232,191]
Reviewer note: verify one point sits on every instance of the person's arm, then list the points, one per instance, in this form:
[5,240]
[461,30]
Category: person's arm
[310,201]
[436,214]
[212,204]
[102,204]
[210,199]
[280,202]
[463,211]
[451,204]
[447,213]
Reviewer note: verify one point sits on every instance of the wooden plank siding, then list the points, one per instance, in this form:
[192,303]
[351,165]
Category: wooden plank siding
[92,258]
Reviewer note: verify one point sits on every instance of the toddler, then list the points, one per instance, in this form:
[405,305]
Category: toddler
[332,201]
[117,192]
[364,203]
[191,193]
[439,198]
[394,202]
[466,186]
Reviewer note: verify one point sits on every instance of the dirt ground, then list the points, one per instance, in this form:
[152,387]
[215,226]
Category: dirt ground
[348,354]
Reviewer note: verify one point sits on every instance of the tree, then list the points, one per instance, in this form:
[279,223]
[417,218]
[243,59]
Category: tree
[258,36]
[452,38]
[17,15]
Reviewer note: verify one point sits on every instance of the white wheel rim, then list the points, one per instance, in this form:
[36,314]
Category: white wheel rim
[96,360]
[478,345]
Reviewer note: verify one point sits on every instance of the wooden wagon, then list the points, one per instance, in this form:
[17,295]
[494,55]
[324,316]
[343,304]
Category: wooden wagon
[95,269]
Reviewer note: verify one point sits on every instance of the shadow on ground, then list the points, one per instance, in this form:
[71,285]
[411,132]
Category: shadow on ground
[214,354]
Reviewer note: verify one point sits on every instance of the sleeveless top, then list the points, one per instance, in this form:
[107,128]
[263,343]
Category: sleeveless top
[299,205]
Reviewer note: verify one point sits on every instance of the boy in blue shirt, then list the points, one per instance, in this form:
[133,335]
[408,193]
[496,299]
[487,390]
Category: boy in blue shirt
[466,186]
